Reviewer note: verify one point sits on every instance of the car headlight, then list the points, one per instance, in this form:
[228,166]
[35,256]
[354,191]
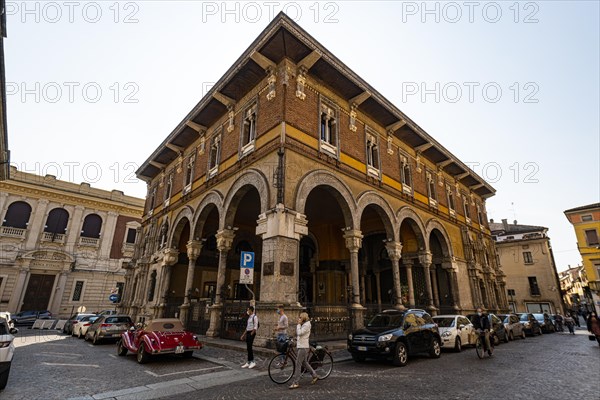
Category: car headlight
[446,334]
[4,344]
[350,337]
[385,338]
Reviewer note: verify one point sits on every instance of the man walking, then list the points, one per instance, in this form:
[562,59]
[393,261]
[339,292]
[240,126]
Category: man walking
[282,325]
[249,335]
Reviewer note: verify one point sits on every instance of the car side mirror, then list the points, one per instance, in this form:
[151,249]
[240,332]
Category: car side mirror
[132,328]
[461,326]
[13,331]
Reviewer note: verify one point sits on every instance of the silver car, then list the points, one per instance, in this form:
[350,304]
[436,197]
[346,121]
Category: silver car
[513,325]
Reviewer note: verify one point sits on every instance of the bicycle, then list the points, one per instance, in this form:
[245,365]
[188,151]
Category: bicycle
[283,366]
[480,346]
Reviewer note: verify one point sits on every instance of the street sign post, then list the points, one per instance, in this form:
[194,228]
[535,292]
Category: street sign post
[247,267]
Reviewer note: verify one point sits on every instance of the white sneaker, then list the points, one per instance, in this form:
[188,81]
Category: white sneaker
[246,365]
[252,365]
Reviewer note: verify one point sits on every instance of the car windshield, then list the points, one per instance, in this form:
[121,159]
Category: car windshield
[117,320]
[505,318]
[524,317]
[445,322]
[385,320]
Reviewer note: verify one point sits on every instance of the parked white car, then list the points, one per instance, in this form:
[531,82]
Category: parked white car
[455,331]
[81,328]
[7,349]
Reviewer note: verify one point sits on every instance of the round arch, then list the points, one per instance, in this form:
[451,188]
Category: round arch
[382,208]
[211,201]
[184,216]
[434,227]
[407,213]
[240,187]
[335,186]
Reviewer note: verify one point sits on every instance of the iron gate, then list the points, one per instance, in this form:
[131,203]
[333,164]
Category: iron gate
[329,322]
[234,318]
[198,318]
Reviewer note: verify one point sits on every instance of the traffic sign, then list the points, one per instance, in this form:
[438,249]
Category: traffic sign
[114,298]
[247,267]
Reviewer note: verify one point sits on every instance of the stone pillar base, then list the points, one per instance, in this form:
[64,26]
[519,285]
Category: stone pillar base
[400,307]
[358,317]
[214,329]
[183,313]
[432,310]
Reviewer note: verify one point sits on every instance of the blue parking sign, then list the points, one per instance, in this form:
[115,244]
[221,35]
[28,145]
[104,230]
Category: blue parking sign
[247,267]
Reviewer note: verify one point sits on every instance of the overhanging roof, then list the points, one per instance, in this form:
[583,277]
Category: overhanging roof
[283,38]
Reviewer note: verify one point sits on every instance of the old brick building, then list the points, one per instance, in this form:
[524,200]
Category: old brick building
[348,205]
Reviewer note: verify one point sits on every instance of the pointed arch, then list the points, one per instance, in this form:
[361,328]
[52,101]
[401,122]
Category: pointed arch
[184,216]
[212,200]
[434,227]
[382,207]
[250,178]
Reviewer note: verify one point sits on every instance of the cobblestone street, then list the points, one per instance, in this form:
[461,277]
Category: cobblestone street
[552,366]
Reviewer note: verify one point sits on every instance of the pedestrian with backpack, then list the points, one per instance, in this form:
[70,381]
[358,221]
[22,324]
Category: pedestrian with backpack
[249,336]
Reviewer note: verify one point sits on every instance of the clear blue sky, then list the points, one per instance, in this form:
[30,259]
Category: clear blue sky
[511,88]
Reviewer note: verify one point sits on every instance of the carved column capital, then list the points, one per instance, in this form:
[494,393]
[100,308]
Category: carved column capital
[394,250]
[194,247]
[425,259]
[225,239]
[353,239]
[169,256]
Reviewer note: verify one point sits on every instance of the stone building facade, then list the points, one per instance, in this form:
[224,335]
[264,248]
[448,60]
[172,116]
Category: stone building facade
[575,289]
[527,261]
[63,245]
[347,204]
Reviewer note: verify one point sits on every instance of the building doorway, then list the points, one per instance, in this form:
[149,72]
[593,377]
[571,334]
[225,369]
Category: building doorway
[39,290]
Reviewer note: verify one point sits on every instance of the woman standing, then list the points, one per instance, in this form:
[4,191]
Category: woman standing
[570,323]
[302,346]
[593,325]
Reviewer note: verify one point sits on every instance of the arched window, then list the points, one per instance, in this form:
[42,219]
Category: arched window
[17,215]
[57,221]
[152,287]
[91,226]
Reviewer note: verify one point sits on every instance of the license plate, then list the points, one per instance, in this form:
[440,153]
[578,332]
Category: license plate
[362,348]
[178,349]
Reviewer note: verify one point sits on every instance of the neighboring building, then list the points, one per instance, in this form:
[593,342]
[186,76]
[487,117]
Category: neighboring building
[575,289]
[586,221]
[4,153]
[526,258]
[63,245]
[348,205]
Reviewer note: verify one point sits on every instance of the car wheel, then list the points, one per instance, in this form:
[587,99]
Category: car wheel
[506,338]
[436,349]
[95,339]
[540,331]
[79,335]
[121,349]
[359,357]
[511,336]
[523,335]
[458,345]
[400,355]
[188,354]
[142,356]
[4,377]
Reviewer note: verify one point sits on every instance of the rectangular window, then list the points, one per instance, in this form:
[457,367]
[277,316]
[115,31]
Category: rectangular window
[511,292]
[248,130]
[372,155]
[131,233]
[406,175]
[431,191]
[214,155]
[466,208]
[527,257]
[168,188]
[328,117]
[592,237]
[450,197]
[479,215]
[533,286]
[152,198]
[120,287]
[586,218]
[188,175]
[77,291]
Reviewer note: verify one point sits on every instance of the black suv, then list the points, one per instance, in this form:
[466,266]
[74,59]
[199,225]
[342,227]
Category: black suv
[395,334]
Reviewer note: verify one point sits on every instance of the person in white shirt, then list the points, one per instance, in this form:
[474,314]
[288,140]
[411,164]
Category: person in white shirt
[249,335]
[302,345]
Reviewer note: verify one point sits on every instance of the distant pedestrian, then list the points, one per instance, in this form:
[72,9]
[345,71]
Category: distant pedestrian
[302,346]
[249,335]
[576,318]
[282,327]
[570,323]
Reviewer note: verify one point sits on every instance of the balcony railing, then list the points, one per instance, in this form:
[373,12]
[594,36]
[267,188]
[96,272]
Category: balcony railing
[87,241]
[12,232]
[128,249]
[53,237]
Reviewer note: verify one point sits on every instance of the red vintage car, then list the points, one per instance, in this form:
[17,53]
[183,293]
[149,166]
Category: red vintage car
[158,336]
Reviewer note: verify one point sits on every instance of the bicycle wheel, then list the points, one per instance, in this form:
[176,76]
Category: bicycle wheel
[479,347]
[281,368]
[323,367]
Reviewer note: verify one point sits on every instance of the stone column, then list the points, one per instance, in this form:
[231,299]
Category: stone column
[74,229]
[353,239]
[3,204]
[425,259]
[169,259]
[434,285]
[224,243]
[394,250]
[408,263]
[36,224]
[14,305]
[378,284]
[59,290]
[108,231]
[193,252]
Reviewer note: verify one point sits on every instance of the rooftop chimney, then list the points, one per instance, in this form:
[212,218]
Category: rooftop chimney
[505,225]
[491,221]
[515,221]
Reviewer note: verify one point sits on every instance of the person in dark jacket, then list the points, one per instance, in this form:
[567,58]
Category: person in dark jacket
[481,323]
